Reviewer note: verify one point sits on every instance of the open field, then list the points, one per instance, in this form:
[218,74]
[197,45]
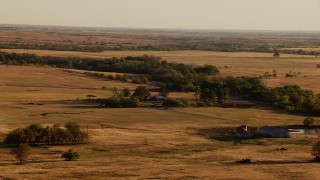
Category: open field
[229,63]
[71,36]
[147,37]
[140,143]
[168,55]
[27,83]
[303,48]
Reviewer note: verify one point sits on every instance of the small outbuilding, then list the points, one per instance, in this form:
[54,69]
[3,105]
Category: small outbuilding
[158,98]
[243,131]
[274,132]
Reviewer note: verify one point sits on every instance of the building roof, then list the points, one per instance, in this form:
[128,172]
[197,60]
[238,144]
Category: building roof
[273,128]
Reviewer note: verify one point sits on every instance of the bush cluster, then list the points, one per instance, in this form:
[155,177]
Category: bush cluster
[174,76]
[36,134]
[70,155]
[120,102]
[176,102]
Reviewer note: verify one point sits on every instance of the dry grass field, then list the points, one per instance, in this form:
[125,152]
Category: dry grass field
[229,63]
[304,48]
[141,143]
[76,36]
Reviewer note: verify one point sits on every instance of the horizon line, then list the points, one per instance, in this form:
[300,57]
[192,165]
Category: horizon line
[158,28]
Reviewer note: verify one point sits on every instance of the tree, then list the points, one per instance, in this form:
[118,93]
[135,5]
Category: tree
[115,92]
[36,130]
[70,155]
[130,103]
[276,54]
[222,94]
[74,129]
[15,136]
[163,92]
[141,92]
[63,135]
[207,69]
[21,152]
[197,92]
[120,102]
[315,152]
[173,102]
[208,94]
[72,126]
[309,121]
[126,92]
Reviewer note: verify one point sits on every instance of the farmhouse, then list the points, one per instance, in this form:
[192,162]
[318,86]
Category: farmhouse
[274,132]
[243,131]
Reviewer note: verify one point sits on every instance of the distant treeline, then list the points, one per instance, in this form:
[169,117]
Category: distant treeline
[173,75]
[53,46]
[199,45]
[268,49]
[181,77]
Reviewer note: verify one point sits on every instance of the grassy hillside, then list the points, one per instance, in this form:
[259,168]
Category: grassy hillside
[164,140]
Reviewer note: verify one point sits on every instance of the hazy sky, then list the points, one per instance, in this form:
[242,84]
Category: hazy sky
[194,14]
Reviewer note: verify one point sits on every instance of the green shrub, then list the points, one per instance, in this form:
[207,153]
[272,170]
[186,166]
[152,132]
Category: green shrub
[210,104]
[123,78]
[173,102]
[201,104]
[70,155]
[141,92]
[142,80]
[126,92]
[120,102]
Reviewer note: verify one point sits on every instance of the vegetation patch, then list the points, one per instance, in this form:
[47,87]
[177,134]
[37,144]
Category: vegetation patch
[256,140]
[35,134]
[35,172]
[101,150]
[70,155]
[180,77]
[244,161]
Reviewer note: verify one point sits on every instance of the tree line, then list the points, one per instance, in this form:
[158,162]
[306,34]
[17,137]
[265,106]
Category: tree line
[180,77]
[36,134]
[290,98]
[223,46]
[173,76]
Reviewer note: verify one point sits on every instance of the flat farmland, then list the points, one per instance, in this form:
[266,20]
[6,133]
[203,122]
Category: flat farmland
[317,49]
[72,36]
[229,63]
[164,140]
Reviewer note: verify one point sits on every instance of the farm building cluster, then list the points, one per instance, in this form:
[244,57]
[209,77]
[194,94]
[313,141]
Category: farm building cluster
[265,131]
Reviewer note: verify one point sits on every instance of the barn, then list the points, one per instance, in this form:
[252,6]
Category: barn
[274,132]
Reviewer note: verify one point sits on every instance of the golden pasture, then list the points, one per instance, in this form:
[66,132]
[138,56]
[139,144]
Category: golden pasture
[140,143]
[229,63]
